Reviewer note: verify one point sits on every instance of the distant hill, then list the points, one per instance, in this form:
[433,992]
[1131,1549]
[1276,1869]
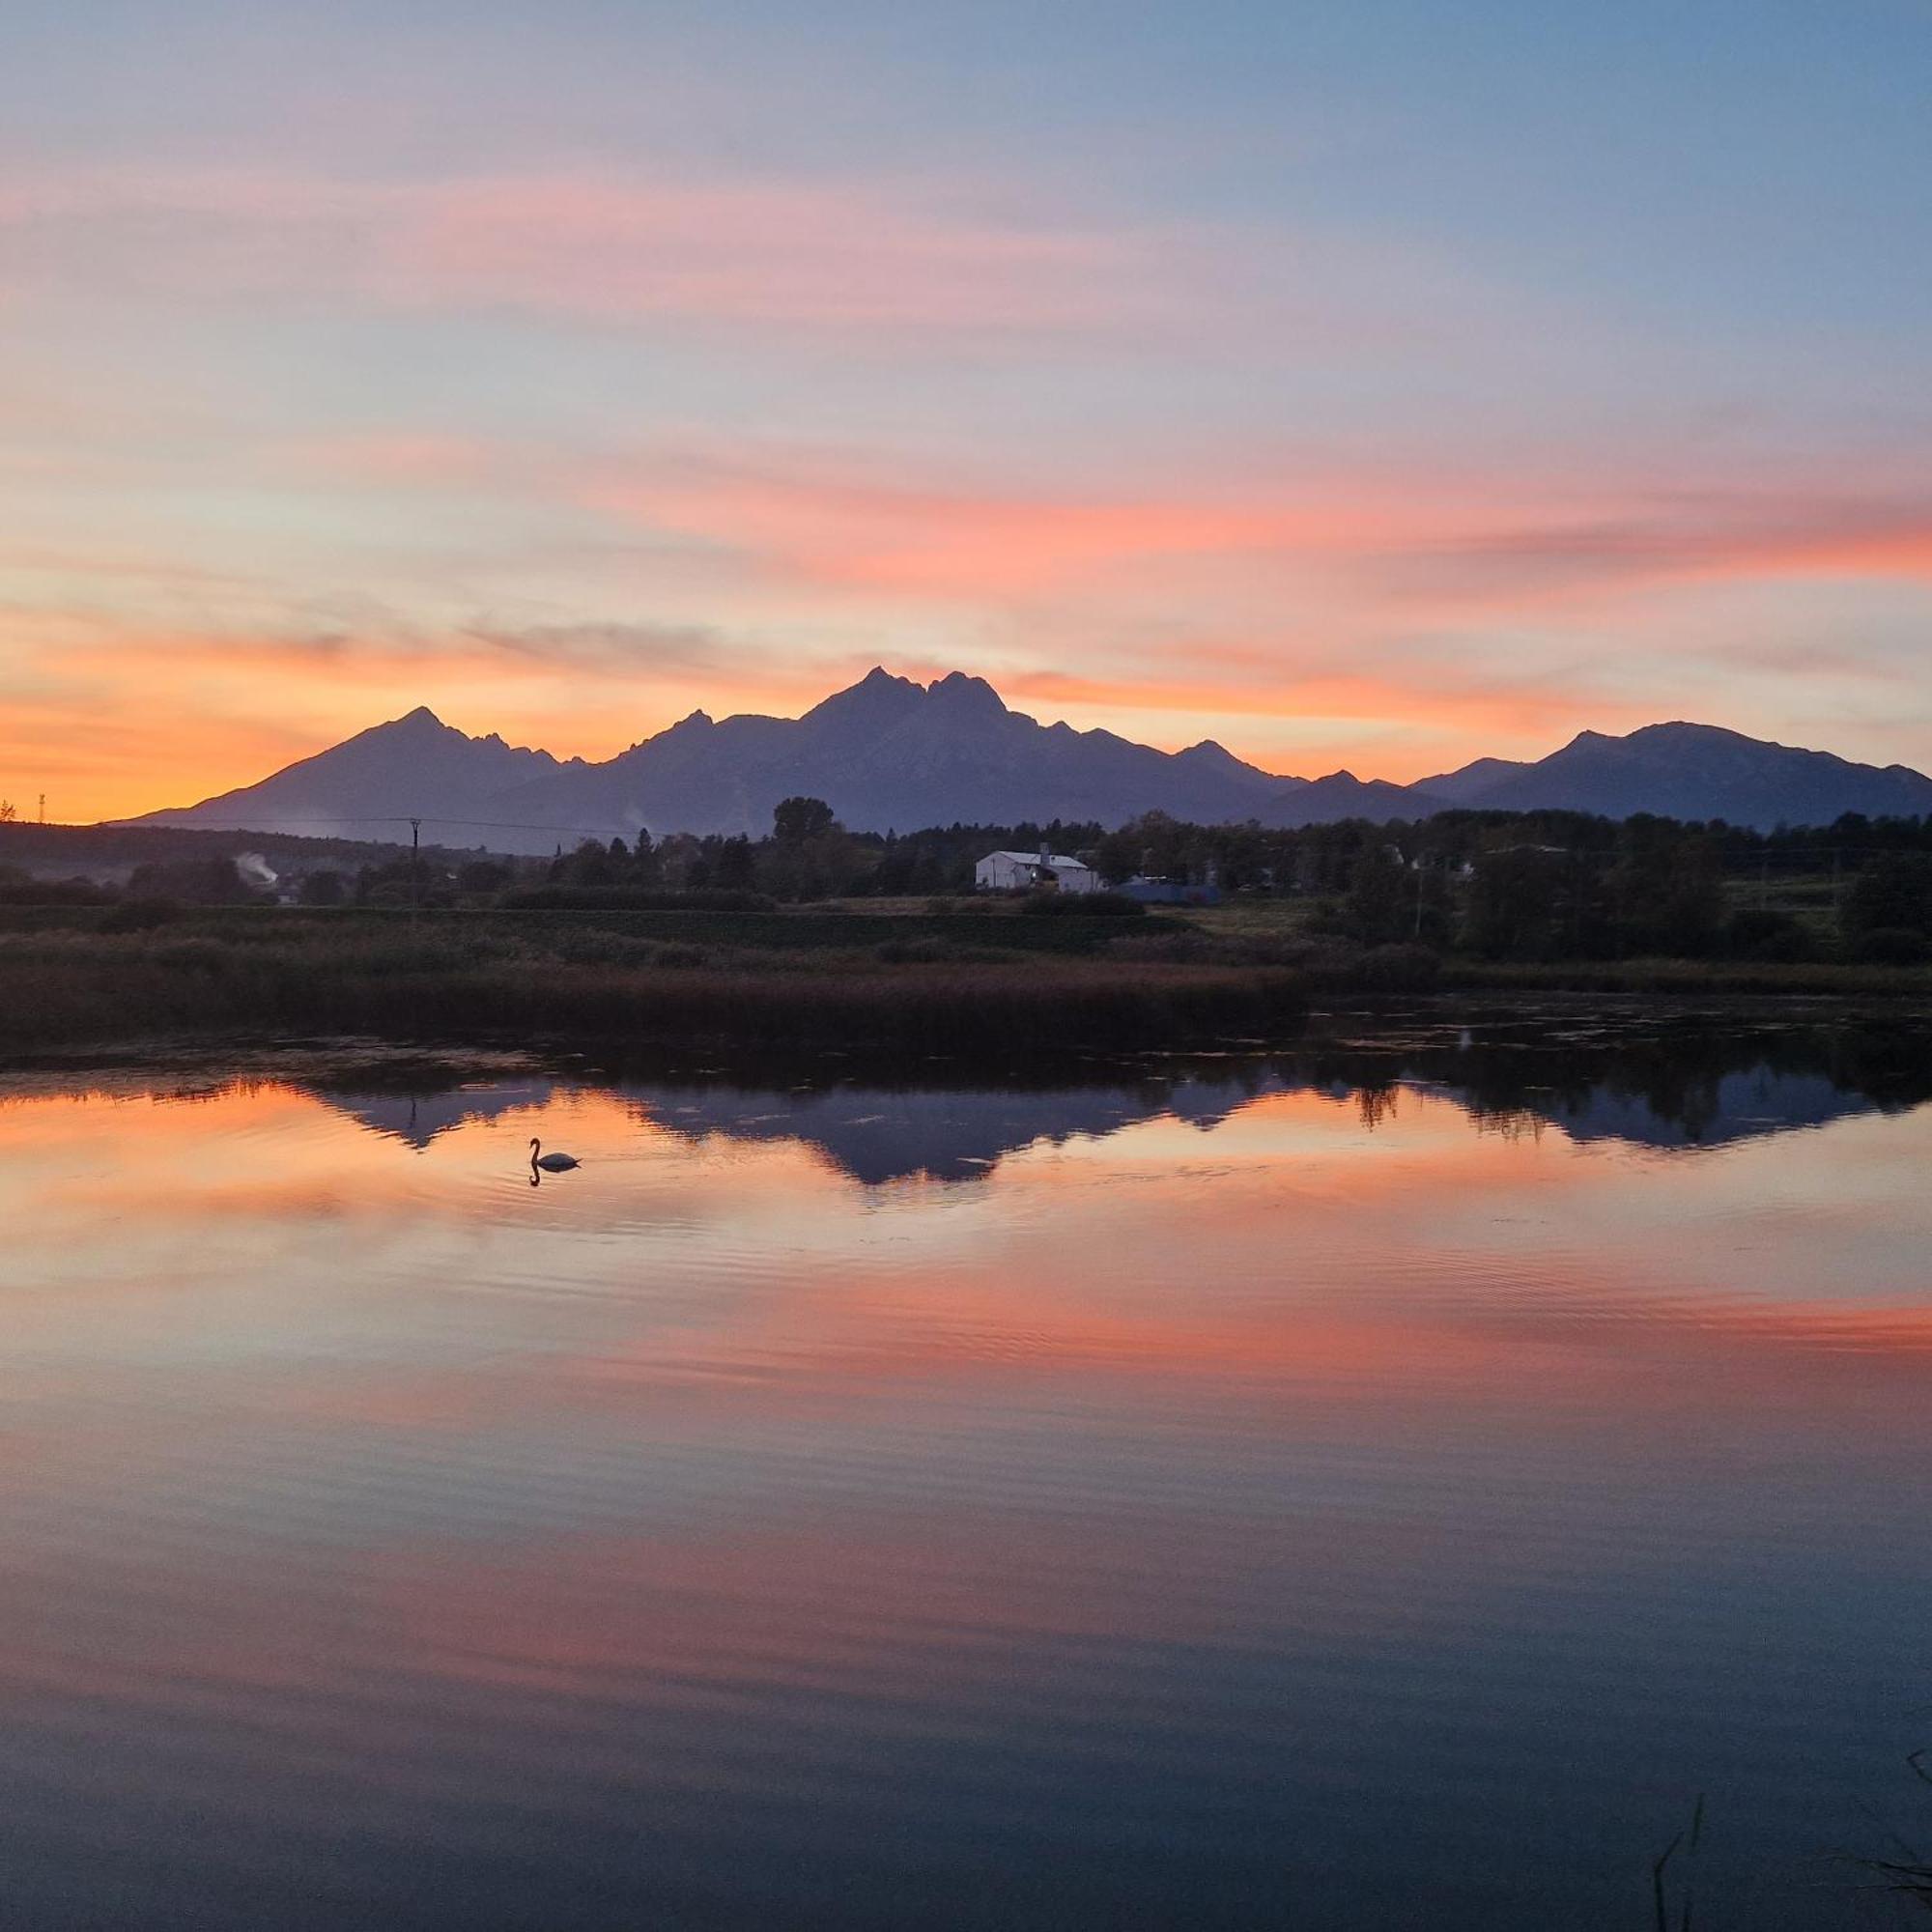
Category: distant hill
[413,767]
[1693,771]
[107,854]
[890,752]
[1467,785]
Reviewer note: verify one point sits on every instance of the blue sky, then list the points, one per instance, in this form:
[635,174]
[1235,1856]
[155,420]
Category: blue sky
[1374,385]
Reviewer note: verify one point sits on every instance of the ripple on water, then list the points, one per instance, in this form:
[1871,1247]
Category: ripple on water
[1012,1510]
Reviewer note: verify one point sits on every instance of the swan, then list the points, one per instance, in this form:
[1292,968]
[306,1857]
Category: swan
[551,1163]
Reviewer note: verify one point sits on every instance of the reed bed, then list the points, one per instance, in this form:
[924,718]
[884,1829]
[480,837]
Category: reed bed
[900,985]
[61,988]
[1823,977]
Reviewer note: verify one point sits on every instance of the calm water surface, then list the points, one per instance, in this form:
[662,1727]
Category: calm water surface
[1379,1484]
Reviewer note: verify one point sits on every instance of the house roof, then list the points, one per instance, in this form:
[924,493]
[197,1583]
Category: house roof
[1058,861]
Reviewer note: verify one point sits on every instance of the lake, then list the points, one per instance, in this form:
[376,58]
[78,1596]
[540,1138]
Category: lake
[1377,1482]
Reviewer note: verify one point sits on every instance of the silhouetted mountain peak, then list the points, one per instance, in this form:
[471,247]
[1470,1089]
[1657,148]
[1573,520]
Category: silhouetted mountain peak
[889,751]
[1681,732]
[964,696]
[1208,755]
[1468,783]
[878,700]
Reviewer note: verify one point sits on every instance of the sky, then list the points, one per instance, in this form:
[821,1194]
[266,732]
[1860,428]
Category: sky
[1372,386]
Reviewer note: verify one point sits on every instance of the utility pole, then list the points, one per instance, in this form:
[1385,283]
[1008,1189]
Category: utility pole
[1418,896]
[415,866]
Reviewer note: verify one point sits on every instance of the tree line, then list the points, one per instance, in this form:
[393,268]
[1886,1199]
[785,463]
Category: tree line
[1536,886]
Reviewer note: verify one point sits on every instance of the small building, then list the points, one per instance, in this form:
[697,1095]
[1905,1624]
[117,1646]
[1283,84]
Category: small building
[1034,873]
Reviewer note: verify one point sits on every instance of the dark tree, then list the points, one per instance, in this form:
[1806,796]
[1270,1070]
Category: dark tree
[1516,902]
[734,867]
[482,875]
[797,819]
[194,882]
[591,864]
[1381,896]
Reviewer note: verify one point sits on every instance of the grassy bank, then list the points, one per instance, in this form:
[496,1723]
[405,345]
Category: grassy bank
[1826,978]
[790,929]
[906,981]
[909,991]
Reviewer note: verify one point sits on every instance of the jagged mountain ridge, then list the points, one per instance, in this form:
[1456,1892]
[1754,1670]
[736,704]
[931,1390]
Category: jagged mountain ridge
[889,752]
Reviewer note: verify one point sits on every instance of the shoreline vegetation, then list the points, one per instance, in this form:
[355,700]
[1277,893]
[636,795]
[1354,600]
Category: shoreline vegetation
[660,976]
[817,935]
[899,980]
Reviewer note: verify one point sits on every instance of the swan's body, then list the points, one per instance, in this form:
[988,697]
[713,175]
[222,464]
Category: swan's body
[551,1163]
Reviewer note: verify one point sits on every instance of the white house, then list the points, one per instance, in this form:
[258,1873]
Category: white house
[1034,872]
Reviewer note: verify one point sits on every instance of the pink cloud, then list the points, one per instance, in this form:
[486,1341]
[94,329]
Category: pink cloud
[577,245]
[1497,540]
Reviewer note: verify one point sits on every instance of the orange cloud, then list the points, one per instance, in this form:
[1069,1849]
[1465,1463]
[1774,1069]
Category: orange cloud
[901,536]
[1396,622]
[1495,540]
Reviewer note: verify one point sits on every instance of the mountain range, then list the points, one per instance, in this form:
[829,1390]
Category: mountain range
[889,752]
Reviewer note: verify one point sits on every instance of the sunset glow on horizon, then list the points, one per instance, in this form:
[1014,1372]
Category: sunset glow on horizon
[1368,388]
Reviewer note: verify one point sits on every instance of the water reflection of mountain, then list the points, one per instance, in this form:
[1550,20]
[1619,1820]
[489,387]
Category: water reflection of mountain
[1678,1086]
[420,1118]
[873,1134]
[1738,1106]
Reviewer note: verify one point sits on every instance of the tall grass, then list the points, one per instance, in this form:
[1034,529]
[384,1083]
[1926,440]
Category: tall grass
[919,983]
[687,918]
[1690,975]
[56,988]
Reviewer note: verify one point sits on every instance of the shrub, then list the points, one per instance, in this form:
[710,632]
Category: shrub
[633,899]
[1082,905]
[1164,948]
[1773,936]
[21,889]
[1893,893]
[1373,969]
[1399,969]
[914,951]
[1892,946]
[138,916]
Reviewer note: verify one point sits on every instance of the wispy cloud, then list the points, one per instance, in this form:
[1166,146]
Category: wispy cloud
[595,245]
[1504,540]
[621,650]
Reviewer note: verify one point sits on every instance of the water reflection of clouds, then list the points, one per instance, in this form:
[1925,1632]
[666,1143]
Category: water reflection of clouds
[1216,1443]
[1286,1211]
